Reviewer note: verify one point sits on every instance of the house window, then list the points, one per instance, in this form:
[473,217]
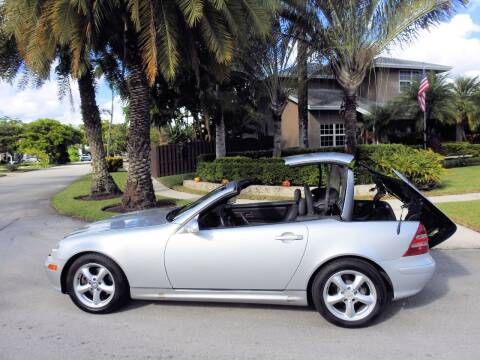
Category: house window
[407,77]
[332,134]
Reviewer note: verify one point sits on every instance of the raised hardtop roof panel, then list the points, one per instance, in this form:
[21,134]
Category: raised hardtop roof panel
[318,158]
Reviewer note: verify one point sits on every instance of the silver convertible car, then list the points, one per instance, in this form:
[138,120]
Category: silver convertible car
[346,257]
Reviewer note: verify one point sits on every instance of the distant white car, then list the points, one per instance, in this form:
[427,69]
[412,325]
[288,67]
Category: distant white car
[85,157]
[30,159]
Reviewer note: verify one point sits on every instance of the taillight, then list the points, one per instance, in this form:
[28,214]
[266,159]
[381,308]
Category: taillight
[419,244]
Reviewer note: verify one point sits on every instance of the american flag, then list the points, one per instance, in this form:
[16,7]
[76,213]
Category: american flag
[422,91]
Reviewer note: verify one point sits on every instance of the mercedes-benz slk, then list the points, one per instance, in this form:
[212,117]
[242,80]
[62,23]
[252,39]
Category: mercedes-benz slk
[346,257]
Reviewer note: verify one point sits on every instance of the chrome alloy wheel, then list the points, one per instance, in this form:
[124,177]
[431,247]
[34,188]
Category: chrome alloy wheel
[94,285]
[350,295]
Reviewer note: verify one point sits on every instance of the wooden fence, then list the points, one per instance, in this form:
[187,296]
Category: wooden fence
[178,158]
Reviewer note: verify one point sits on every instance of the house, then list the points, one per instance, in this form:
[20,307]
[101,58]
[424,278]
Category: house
[385,80]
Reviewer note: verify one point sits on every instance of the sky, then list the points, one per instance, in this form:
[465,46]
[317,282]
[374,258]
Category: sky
[455,43]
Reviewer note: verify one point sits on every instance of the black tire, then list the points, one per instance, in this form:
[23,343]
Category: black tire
[357,265]
[121,292]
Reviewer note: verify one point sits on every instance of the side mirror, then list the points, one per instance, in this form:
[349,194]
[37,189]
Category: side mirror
[191,227]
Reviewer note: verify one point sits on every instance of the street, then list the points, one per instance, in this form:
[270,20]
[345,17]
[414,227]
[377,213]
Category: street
[36,322]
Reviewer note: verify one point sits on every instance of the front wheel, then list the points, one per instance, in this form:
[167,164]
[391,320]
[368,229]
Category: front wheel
[96,284]
[349,293]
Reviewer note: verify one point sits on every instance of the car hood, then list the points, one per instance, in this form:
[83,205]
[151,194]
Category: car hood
[137,219]
[438,225]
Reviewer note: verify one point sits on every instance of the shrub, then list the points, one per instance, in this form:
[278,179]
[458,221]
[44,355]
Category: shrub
[73,153]
[422,167]
[114,163]
[461,148]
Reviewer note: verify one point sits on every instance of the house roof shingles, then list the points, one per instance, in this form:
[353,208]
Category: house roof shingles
[323,71]
[386,62]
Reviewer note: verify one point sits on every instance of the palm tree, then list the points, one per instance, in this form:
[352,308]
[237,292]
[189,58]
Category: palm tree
[151,39]
[465,90]
[271,61]
[294,12]
[379,119]
[440,109]
[39,31]
[352,33]
[160,36]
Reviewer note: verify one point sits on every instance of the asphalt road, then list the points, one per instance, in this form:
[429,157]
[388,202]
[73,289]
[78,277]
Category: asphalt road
[443,322]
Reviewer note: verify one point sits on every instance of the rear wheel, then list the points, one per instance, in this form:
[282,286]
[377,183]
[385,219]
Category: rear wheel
[349,293]
[96,284]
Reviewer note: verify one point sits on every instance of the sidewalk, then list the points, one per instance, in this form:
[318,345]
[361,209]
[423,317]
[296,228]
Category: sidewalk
[162,190]
[453,198]
[464,238]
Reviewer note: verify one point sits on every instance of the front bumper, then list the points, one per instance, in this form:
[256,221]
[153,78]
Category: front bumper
[54,267]
[409,274]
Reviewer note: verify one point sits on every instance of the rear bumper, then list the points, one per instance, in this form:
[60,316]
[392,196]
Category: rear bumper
[54,275]
[409,275]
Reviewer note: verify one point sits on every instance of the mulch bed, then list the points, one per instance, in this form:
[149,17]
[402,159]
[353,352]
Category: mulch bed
[120,209]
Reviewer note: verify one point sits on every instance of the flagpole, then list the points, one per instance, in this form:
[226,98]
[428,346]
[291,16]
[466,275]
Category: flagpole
[425,118]
[425,129]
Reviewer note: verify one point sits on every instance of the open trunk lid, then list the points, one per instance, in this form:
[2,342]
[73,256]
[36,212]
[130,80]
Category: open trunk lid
[439,227]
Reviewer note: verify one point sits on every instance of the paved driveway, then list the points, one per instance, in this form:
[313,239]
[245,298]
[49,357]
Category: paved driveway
[443,322]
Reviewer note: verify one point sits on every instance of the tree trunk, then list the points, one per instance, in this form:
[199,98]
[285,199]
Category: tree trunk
[220,149]
[277,110]
[206,122]
[102,181]
[139,193]
[302,95]
[350,118]
[459,132]
[277,136]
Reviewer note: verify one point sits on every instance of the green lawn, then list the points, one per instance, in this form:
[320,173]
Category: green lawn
[463,212]
[175,180]
[458,181]
[66,204]
[21,168]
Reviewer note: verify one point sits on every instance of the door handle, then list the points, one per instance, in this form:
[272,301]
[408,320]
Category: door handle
[289,237]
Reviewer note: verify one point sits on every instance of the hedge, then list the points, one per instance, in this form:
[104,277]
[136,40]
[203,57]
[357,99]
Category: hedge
[268,153]
[423,167]
[460,148]
[266,171]
[461,162]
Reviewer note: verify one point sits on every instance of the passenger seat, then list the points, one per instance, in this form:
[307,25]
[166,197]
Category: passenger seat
[292,212]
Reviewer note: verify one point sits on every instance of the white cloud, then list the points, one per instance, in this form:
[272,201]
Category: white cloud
[456,44]
[118,116]
[33,103]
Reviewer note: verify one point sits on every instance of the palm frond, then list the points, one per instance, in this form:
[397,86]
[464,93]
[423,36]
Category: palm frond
[192,10]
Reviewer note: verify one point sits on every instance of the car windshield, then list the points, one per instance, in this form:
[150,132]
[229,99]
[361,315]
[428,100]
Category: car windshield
[176,212]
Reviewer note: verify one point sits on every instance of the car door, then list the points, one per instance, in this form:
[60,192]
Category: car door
[259,257]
